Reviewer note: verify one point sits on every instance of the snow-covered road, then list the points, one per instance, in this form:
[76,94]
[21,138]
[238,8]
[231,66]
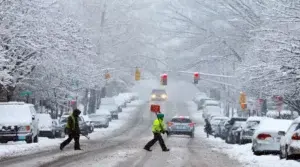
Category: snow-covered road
[124,148]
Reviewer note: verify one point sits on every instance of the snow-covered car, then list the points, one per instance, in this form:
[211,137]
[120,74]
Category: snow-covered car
[99,121]
[158,95]
[110,105]
[220,127]
[84,130]
[200,104]
[120,101]
[212,108]
[127,96]
[266,138]
[59,129]
[46,126]
[104,112]
[89,123]
[181,125]
[234,132]
[228,125]
[290,141]
[18,122]
[215,123]
[249,129]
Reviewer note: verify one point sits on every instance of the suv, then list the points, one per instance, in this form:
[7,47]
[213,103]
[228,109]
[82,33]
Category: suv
[181,125]
[18,122]
[159,95]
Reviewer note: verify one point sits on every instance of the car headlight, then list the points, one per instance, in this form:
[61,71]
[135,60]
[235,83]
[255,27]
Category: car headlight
[24,128]
[153,96]
[164,96]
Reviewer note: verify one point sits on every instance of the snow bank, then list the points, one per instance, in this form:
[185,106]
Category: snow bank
[242,153]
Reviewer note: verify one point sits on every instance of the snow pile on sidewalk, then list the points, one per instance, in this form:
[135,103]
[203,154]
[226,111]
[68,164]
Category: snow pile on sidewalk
[243,153]
[20,148]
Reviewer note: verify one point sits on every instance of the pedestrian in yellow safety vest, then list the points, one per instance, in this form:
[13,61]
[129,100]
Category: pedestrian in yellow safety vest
[158,127]
[73,130]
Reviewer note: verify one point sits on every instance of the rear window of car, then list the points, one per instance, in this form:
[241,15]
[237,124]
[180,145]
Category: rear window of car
[181,120]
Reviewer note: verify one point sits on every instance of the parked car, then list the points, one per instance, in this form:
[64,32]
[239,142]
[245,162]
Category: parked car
[127,96]
[211,108]
[59,129]
[84,129]
[249,129]
[290,141]
[215,121]
[110,105]
[18,122]
[228,125]
[89,123]
[266,138]
[99,121]
[120,101]
[181,125]
[221,126]
[200,104]
[234,132]
[46,126]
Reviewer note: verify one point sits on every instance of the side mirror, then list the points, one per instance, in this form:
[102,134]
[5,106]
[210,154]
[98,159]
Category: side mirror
[281,133]
[33,117]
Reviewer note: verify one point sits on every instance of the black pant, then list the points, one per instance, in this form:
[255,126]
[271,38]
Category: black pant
[157,136]
[74,136]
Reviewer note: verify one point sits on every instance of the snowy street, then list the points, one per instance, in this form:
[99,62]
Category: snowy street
[124,148]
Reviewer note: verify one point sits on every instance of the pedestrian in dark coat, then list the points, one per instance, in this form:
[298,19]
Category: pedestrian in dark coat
[73,130]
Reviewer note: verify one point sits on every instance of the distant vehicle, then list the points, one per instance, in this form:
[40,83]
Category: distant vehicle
[159,95]
[215,121]
[201,102]
[99,121]
[248,131]
[104,112]
[110,105]
[266,138]
[236,132]
[88,123]
[231,136]
[290,141]
[181,125]
[59,129]
[211,108]
[46,126]
[18,122]
[219,129]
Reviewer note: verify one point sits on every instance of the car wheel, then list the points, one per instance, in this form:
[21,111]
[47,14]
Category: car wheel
[36,139]
[280,154]
[3,141]
[257,153]
[29,140]
[287,156]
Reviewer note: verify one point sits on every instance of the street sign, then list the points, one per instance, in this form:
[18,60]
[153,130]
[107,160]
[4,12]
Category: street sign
[25,93]
[155,108]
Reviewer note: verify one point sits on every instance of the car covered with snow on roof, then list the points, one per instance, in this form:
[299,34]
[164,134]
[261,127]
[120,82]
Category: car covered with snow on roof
[266,138]
[18,122]
[181,125]
[46,125]
[249,129]
[290,141]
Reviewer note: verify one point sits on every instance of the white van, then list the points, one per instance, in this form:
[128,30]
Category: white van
[18,122]
[46,125]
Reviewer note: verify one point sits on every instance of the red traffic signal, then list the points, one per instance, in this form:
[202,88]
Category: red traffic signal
[196,77]
[164,79]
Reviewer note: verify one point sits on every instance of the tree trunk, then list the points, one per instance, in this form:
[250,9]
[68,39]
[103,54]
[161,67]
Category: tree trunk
[85,101]
[92,102]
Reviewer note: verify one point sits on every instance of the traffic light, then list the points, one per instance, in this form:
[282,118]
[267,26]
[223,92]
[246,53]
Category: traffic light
[164,79]
[243,100]
[137,74]
[196,77]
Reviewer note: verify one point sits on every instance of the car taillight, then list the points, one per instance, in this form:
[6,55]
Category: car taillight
[170,123]
[191,124]
[27,128]
[296,136]
[263,136]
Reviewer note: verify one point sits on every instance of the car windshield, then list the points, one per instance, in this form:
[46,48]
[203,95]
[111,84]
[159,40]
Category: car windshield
[252,124]
[158,91]
[63,120]
[181,120]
